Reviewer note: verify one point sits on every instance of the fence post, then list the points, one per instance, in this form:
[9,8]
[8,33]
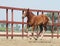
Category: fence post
[58,26]
[7,23]
[12,25]
[52,23]
[22,25]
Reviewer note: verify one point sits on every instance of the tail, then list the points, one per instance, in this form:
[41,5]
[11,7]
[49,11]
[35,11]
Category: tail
[50,21]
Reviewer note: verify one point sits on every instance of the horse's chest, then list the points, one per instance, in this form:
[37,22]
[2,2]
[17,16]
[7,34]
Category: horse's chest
[30,22]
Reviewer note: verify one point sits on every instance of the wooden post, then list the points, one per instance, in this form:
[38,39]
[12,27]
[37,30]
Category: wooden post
[52,23]
[58,26]
[7,23]
[12,25]
[22,25]
[37,13]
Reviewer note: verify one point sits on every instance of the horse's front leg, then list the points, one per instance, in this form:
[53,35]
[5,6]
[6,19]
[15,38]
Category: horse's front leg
[33,27]
[27,31]
[32,31]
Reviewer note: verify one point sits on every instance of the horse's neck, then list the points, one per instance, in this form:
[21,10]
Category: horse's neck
[30,17]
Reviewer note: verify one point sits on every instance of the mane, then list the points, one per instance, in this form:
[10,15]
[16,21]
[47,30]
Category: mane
[31,13]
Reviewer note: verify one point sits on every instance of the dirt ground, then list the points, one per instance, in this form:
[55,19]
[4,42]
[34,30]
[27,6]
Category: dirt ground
[18,41]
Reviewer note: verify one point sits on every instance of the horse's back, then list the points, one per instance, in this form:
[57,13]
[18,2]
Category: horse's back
[45,19]
[41,19]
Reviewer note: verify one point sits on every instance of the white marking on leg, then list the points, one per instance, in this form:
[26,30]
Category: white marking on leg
[42,33]
[27,33]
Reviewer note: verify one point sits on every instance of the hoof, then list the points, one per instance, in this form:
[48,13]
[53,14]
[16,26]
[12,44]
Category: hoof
[30,38]
[36,39]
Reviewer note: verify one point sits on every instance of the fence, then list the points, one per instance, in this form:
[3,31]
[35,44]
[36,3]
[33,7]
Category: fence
[23,9]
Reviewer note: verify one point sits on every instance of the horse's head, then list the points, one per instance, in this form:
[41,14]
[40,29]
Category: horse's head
[26,13]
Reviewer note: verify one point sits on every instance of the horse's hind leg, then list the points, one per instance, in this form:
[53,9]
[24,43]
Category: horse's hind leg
[44,29]
[42,33]
[41,29]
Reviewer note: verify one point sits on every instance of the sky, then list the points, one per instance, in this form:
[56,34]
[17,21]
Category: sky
[32,4]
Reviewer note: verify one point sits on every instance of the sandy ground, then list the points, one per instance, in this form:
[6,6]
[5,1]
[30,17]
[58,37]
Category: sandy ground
[18,41]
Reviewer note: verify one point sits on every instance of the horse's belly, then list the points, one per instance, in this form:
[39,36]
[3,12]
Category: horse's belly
[38,22]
